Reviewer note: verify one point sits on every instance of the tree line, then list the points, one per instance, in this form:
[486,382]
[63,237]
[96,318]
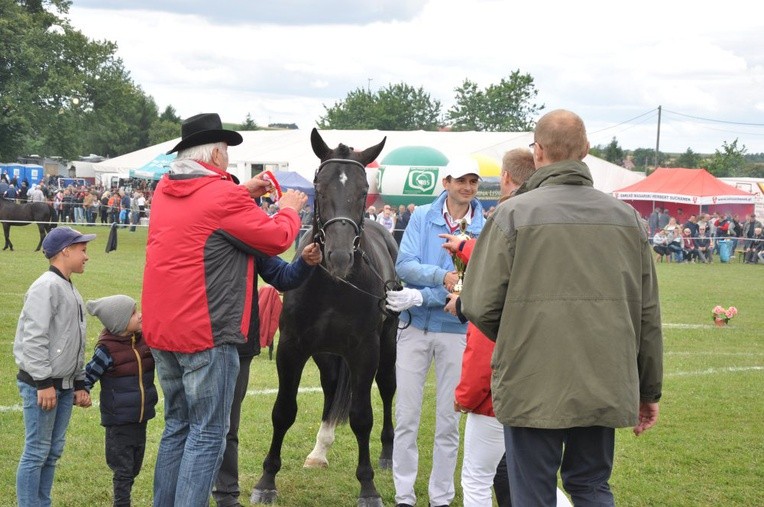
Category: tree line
[62,94]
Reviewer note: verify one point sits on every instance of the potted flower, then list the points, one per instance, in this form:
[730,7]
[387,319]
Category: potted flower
[722,316]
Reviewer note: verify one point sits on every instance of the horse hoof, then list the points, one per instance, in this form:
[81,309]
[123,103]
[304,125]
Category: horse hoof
[372,501]
[315,463]
[385,464]
[263,496]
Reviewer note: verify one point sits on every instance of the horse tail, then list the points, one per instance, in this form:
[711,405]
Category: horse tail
[339,411]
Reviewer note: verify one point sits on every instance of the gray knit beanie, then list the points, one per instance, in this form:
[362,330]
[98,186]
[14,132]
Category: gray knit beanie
[114,312]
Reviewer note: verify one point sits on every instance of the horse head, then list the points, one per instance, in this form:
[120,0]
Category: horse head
[340,201]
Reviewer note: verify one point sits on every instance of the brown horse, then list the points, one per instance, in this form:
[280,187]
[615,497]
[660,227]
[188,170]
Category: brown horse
[23,214]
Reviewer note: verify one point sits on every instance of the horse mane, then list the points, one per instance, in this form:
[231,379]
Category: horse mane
[343,151]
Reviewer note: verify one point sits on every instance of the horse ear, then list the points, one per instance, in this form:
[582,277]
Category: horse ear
[320,148]
[370,154]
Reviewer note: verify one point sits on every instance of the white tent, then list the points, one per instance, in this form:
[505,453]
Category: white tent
[291,150]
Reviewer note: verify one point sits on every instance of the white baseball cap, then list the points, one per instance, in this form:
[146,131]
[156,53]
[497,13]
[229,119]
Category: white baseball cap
[462,166]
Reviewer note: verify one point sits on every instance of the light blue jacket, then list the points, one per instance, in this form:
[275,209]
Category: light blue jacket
[423,263]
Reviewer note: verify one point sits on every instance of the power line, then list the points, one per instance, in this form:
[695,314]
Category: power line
[652,111]
[700,122]
[715,121]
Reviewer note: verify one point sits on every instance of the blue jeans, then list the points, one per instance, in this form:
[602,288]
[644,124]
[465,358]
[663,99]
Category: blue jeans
[198,391]
[44,437]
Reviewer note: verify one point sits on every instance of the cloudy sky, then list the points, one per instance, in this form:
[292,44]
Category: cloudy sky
[282,61]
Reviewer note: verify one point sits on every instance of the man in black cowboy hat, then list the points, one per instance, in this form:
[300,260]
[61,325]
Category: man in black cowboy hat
[204,234]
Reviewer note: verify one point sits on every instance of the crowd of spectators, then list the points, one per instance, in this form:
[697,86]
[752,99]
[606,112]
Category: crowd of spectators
[703,235]
[84,204]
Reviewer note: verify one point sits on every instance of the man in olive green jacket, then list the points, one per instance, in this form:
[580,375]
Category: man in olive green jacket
[562,277]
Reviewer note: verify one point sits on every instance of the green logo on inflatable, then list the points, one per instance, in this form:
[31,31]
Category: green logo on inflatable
[420,180]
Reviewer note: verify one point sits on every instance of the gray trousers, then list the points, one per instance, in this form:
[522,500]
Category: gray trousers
[226,491]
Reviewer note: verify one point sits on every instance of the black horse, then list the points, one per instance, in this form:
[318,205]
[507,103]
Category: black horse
[24,214]
[338,317]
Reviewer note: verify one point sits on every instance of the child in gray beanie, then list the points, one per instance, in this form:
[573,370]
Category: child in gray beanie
[114,312]
[123,363]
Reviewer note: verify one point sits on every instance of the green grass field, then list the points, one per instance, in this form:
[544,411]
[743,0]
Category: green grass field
[707,450]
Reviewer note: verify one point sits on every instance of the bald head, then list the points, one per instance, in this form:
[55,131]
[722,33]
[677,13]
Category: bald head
[559,135]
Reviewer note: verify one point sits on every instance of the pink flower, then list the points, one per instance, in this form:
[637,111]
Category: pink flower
[719,313]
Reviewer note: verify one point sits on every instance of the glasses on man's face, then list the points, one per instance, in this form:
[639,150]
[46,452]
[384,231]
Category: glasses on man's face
[532,146]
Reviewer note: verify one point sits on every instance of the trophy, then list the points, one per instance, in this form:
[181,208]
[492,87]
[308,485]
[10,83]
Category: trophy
[459,264]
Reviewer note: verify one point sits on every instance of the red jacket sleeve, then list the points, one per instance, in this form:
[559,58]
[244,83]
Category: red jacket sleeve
[251,225]
[474,389]
[466,251]
[269,312]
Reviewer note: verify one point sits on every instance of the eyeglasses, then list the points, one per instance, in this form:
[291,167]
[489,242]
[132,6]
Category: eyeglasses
[532,146]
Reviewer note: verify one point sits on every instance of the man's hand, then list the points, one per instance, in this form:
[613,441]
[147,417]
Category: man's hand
[293,199]
[46,398]
[450,280]
[399,300]
[451,305]
[460,408]
[258,186]
[311,254]
[82,398]
[648,417]
[452,243]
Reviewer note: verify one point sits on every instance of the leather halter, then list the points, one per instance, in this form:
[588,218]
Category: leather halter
[321,226]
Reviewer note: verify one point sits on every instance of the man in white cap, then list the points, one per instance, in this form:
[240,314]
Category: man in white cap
[432,335]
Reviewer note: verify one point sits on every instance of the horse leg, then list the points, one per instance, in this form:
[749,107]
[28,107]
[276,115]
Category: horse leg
[7,232]
[289,363]
[43,232]
[363,370]
[325,437]
[386,384]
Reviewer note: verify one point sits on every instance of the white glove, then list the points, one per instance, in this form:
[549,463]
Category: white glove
[399,300]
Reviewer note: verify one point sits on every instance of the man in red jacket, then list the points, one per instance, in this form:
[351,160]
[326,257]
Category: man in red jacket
[204,234]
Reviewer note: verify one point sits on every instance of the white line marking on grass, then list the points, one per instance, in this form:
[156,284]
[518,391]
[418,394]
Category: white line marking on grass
[260,392]
[670,325]
[257,392]
[712,371]
[714,354]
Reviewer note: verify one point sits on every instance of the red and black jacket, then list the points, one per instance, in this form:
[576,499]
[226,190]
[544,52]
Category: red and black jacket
[204,233]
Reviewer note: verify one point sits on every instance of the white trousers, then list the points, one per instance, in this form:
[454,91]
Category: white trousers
[483,449]
[417,350]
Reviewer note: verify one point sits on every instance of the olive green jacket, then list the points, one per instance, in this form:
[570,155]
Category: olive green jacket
[562,278]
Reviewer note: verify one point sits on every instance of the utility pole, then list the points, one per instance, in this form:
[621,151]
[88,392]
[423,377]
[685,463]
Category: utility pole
[658,139]
[368,84]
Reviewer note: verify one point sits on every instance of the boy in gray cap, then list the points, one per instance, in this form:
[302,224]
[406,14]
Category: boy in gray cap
[123,363]
[49,350]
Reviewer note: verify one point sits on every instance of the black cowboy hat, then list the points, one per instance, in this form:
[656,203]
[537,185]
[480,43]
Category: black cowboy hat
[205,128]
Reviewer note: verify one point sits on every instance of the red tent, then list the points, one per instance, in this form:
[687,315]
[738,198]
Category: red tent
[689,190]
